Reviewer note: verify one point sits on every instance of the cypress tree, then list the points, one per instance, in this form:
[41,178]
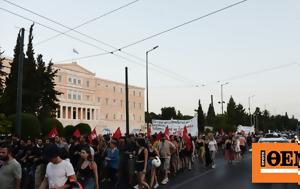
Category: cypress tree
[8,99]
[31,91]
[200,118]
[231,112]
[211,116]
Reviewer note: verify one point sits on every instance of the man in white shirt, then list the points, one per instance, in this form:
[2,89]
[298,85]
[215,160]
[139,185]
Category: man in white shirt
[58,171]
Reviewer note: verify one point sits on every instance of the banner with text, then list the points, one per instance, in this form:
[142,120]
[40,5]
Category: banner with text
[175,126]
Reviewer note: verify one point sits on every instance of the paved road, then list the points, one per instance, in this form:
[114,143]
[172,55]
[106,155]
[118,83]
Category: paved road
[223,177]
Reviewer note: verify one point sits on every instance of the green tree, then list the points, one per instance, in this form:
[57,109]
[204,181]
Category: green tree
[231,112]
[48,103]
[49,123]
[179,115]
[168,113]
[8,99]
[30,125]
[5,125]
[222,123]
[211,116]
[84,128]
[200,119]
[69,130]
[151,116]
[241,116]
[31,89]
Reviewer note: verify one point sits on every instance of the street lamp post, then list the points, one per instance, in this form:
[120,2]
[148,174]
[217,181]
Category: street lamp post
[222,101]
[249,103]
[147,91]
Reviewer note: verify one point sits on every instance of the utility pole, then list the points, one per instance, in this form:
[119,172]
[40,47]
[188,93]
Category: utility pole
[147,88]
[249,108]
[126,101]
[20,81]
[222,101]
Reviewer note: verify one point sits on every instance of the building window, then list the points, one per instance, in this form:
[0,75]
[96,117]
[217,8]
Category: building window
[74,95]
[140,118]
[87,97]
[114,89]
[133,93]
[106,86]
[59,78]
[69,95]
[106,116]
[140,105]
[106,101]
[140,94]
[70,80]
[114,100]
[79,82]
[79,96]
[121,117]
[74,81]
[121,102]
[98,99]
[121,90]
[133,117]
[114,116]
[88,83]
[133,104]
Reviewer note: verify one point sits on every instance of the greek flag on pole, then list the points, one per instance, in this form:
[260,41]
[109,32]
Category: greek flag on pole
[75,51]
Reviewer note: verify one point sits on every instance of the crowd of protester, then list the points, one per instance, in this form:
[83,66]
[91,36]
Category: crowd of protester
[134,161]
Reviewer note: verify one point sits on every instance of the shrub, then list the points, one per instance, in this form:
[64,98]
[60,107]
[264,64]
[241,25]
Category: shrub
[84,128]
[30,125]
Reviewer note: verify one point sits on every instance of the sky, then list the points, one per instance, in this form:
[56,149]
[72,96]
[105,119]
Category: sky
[255,46]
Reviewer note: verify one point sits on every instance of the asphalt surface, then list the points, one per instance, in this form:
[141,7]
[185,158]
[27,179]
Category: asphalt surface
[225,176]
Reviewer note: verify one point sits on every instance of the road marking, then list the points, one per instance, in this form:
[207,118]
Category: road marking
[205,173]
[193,178]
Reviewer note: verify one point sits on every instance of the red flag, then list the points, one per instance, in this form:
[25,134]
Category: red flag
[167,133]
[149,132]
[159,136]
[76,133]
[92,135]
[53,133]
[117,134]
[186,138]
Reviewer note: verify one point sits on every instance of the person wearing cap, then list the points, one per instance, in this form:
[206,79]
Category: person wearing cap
[58,171]
[112,161]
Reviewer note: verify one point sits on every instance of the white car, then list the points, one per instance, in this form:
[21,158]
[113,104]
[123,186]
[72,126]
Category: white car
[273,140]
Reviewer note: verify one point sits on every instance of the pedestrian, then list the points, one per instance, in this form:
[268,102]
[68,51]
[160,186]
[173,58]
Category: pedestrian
[153,153]
[228,154]
[87,172]
[242,145]
[10,169]
[237,149]
[39,163]
[58,172]
[213,147]
[201,149]
[141,163]
[164,149]
[112,162]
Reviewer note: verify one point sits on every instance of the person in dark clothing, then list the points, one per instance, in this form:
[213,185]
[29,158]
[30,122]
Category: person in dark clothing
[208,160]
